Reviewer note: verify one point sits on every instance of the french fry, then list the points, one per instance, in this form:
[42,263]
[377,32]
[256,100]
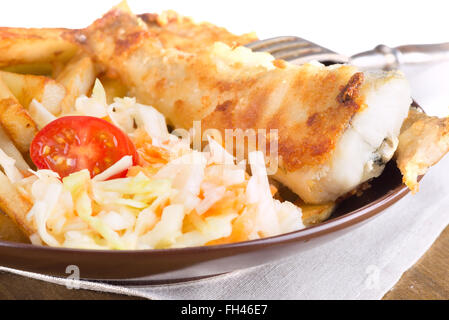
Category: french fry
[27,46]
[16,121]
[10,149]
[14,205]
[28,87]
[77,77]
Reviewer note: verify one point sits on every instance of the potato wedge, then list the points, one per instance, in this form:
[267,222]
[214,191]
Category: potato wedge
[28,87]
[16,121]
[77,77]
[14,205]
[26,46]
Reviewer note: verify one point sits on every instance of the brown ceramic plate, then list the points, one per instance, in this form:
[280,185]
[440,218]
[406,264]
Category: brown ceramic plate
[171,265]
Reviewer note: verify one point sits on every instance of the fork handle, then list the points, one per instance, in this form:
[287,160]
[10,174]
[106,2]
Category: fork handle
[384,57]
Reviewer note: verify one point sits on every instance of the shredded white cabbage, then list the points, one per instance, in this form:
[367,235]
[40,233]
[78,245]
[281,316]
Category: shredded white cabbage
[40,114]
[122,165]
[96,105]
[258,192]
[153,122]
[218,154]
[212,195]
[9,166]
[129,115]
[10,149]
[214,228]
[167,230]
[117,221]
[289,215]
[43,208]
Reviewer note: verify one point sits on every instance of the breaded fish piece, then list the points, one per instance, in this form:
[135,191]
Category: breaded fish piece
[423,141]
[337,127]
[182,33]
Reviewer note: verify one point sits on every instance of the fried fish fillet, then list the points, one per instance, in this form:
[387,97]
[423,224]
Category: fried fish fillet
[337,127]
[423,141]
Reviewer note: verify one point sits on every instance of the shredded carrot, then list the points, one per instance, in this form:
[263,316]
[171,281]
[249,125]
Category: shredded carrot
[147,170]
[242,227]
[196,220]
[152,154]
[231,202]
[107,118]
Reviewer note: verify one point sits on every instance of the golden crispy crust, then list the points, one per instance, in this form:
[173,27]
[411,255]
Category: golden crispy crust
[313,214]
[15,119]
[301,102]
[308,140]
[122,43]
[351,90]
[17,123]
[182,33]
[423,142]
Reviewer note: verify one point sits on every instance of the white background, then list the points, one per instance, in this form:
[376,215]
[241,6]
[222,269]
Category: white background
[345,26]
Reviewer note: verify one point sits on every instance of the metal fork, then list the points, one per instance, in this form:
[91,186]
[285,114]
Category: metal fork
[298,50]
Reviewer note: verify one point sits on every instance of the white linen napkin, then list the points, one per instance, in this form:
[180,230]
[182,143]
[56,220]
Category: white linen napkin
[363,264]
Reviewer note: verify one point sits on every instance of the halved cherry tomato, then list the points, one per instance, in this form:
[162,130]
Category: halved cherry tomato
[73,143]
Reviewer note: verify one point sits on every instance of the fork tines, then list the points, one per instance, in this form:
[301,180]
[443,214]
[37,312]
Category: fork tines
[296,50]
